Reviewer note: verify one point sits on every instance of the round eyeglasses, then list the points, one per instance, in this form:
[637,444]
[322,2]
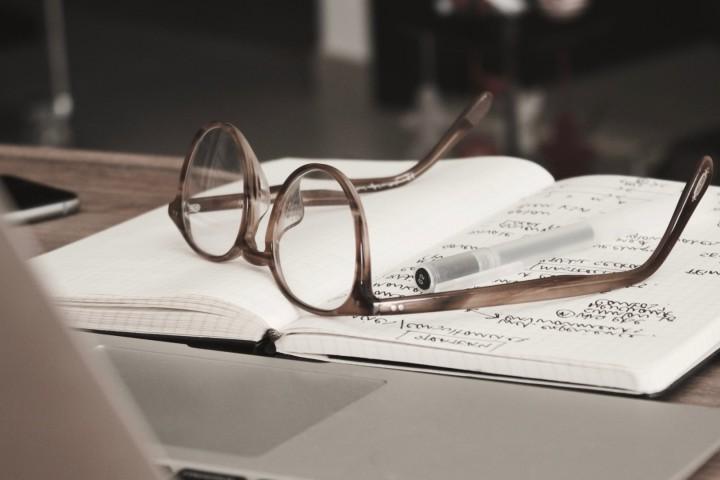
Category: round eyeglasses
[317,228]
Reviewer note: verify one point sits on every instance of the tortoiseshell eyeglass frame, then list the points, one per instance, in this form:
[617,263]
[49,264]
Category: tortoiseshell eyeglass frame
[257,198]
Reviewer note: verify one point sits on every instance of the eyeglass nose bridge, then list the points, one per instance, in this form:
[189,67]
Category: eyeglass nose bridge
[294,210]
[293,214]
[260,192]
[255,257]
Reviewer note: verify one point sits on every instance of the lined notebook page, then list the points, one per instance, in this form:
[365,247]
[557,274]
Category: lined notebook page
[639,338]
[140,276]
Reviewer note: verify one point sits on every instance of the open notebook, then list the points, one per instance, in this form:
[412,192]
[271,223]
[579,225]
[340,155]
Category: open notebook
[141,277]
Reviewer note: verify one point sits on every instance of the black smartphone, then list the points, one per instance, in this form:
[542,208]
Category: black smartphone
[32,201]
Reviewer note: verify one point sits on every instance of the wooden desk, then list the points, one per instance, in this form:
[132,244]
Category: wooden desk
[116,187]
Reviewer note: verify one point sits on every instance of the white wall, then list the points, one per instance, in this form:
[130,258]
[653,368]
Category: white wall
[345,30]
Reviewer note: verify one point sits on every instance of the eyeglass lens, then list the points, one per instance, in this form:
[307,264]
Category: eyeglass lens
[212,200]
[314,244]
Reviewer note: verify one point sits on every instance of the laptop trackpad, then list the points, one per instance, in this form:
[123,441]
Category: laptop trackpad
[231,407]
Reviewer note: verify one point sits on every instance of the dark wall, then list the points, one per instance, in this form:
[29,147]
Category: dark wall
[475,43]
[276,22]
[290,23]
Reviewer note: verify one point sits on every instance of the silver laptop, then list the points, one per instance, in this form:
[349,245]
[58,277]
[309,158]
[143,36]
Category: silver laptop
[168,409]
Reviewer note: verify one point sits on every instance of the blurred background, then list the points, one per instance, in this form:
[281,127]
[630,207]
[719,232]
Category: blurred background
[582,86]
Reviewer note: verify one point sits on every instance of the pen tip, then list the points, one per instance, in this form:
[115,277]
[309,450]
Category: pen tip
[479,108]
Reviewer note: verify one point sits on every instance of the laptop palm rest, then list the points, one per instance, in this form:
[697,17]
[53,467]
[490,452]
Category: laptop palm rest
[230,407]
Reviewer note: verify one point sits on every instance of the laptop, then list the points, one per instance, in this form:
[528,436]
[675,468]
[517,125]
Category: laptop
[77,405]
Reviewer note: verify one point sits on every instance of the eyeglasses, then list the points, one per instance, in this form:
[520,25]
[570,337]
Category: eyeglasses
[317,218]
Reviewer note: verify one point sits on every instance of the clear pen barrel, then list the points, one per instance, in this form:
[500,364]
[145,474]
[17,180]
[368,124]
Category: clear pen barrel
[576,236]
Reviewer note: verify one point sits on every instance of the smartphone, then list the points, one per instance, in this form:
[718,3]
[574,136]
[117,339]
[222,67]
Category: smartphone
[31,201]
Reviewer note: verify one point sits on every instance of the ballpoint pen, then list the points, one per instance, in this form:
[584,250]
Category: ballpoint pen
[575,236]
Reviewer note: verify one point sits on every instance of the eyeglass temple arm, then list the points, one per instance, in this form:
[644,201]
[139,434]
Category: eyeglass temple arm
[236,200]
[563,285]
[465,122]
